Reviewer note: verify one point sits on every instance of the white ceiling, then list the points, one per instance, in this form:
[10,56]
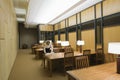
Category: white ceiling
[49,11]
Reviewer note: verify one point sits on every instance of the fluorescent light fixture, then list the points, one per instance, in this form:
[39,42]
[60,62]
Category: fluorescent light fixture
[65,43]
[58,41]
[114,47]
[80,42]
[20,11]
[21,19]
[41,41]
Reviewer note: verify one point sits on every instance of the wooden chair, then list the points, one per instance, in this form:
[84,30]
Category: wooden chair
[109,57]
[100,56]
[81,62]
[68,59]
[87,52]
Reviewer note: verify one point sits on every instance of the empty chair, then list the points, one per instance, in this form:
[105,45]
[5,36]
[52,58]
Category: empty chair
[68,58]
[109,58]
[87,52]
[81,62]
[99,56]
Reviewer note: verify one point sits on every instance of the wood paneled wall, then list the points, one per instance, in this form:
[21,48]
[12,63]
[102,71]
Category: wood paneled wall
[89,37]
[87,14]
[111,7]
[72,40]
[8,38]
[111,34]
[62,24]
[62,37]
[56,38]
[72,20]
[46,27]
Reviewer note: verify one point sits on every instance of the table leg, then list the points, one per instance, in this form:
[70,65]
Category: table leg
[50,63]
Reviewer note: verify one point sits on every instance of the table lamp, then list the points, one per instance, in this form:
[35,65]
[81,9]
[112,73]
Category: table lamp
[65,43]
[114,48]
[80,43]
[41,41]
[58,42]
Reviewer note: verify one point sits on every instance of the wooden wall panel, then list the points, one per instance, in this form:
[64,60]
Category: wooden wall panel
[78,18]
[62,24]
[56,38]
[110,7]
[56,26]
[72,20]
[46,27]
[89,37]
[72,40]
[98,10]
[87,14]
[111,34]
[62,37]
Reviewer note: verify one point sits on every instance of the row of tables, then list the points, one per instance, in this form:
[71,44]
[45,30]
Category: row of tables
[100,72]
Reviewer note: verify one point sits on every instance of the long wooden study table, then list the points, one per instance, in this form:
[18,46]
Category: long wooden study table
[105,71]
[53,56]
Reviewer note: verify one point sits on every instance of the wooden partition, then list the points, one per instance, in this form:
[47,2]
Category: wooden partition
[56,38]
[72,20]
[72,39]
[46,27]
[111,7]
[62,24]
[87,14]
[89,37]
[111,34]
[62,37]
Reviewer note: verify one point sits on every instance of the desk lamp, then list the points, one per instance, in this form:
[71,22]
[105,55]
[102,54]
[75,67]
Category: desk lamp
[80,43]
[114,48]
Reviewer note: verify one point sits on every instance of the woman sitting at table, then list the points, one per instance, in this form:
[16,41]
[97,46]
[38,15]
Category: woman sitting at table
[48,47]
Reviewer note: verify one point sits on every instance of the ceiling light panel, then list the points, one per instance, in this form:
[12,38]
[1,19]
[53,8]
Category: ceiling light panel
[20,11]
[21,19]
[44,11]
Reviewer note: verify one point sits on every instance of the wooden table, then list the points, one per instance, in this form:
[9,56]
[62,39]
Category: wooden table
[53,56]
[39,53]
[100,72]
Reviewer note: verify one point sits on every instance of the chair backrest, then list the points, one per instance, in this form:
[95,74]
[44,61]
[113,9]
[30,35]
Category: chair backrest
[87,52]
[100,57]
[68,57]
[99,53]
[68,49]
[81,62]
[109,57]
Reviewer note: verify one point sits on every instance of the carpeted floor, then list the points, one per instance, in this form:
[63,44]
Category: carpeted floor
[26,67]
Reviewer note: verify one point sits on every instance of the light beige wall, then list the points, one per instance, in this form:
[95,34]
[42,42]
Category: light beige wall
[72,39]
[111,34]
[89,37]
[62,37]
[8,38]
